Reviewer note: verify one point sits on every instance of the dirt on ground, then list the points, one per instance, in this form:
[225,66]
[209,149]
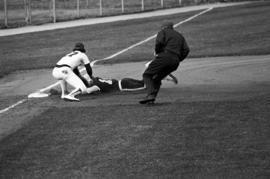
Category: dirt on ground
[200,79]
[218,71]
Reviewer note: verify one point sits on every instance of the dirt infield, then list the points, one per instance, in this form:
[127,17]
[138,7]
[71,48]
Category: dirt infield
[240,71]
[221,78]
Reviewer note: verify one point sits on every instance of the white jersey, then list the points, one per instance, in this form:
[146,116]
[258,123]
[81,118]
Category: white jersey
[74,59]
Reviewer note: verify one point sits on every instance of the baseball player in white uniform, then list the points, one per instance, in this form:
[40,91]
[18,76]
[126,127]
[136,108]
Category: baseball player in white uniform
[66,71]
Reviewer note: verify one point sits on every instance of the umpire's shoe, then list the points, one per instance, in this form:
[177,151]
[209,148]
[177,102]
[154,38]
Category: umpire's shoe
[150,99]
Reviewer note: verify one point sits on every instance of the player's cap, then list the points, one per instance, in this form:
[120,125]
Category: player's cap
[80,47]
[167,24]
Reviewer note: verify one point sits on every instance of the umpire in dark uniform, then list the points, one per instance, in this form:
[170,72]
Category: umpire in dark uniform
[170,49]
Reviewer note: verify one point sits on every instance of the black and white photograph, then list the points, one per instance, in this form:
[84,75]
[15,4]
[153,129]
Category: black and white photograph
[135,89]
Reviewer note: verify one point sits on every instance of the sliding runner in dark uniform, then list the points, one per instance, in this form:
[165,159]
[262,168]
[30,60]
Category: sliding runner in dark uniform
[112,85]
[125,84]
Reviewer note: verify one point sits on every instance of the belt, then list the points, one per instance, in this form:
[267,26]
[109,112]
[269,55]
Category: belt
[63,65]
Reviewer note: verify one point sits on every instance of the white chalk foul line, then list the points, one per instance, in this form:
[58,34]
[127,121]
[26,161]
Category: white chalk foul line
[13,106]
[149,38]
[116,54]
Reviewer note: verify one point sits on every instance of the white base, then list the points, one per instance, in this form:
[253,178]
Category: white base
[38,95]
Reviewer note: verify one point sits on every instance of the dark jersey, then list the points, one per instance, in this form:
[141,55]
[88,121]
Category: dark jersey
[110,85]
[169,40]
[106,85]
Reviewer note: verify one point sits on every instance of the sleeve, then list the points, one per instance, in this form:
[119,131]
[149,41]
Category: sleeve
[89,70]
[87,65]
[160,42]
[85,59]
[185,50]
[76,71]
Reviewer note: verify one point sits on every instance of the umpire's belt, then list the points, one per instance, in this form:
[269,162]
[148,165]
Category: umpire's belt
[63,65]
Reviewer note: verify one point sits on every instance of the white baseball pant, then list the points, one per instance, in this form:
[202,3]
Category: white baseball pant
[66,74]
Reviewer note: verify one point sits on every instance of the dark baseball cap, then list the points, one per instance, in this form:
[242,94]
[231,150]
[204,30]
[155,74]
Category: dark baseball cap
[167,24]
[80,47]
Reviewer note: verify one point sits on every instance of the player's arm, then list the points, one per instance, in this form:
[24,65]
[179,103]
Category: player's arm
[89,70]
[160,41]
[77,72]
[87,65]
[185,50]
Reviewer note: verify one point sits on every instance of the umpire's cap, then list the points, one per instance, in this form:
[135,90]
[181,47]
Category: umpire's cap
[80,47]
[167,24]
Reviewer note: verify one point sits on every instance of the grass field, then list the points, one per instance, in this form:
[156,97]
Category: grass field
[240,30]
[42,10]
[106,136]
[184,140]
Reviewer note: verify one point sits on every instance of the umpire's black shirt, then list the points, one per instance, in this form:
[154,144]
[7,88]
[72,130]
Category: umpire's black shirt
[171,41]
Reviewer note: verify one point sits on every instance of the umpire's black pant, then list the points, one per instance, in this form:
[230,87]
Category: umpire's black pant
[164,64]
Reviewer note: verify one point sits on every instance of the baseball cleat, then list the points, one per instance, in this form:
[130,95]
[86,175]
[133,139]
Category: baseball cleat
[70,98]
[148,100]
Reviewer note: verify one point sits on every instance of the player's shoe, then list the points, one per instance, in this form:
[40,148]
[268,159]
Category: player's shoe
[63,96]
[148,100]
[70,98]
